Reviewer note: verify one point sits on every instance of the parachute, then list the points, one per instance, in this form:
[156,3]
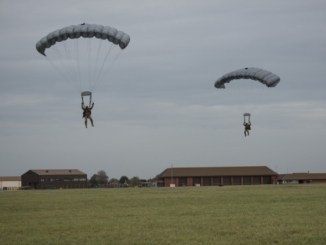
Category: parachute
[86,31]
[263,76]
[82,54]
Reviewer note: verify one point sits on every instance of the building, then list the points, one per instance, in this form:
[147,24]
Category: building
[54,179]
[302,178]
[212,176]
[10,182]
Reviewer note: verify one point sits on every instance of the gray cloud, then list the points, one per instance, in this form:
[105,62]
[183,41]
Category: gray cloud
[157,105]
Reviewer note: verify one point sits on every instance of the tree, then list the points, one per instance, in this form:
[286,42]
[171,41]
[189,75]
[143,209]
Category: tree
[93,181]
[102,178]
[99,180]
[124,181]
[134,181]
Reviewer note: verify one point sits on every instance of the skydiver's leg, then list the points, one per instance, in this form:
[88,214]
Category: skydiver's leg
[91,119]
[86,122]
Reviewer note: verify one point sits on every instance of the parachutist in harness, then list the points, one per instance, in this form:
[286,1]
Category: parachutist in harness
[87,110]
[246,123]
[247,128]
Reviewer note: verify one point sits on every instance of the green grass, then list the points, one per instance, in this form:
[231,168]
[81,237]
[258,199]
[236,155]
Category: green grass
[277,214]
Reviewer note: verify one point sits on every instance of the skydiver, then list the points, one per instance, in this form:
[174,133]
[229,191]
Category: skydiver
[87,111]
[247,128]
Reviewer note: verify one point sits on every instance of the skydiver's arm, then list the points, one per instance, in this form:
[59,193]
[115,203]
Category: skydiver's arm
[92,106]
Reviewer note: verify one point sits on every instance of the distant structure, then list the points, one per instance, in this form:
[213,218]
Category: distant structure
[302,178]
[10,183]
[217,176]
[54,179]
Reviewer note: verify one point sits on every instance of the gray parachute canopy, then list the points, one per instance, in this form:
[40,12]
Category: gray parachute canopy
[263,76]
[84,30]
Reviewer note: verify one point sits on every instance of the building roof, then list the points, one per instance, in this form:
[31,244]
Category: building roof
[304,176]
[10,178]
[57,172]
[217,171]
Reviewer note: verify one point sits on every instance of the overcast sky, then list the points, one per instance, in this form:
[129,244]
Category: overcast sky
[157,105]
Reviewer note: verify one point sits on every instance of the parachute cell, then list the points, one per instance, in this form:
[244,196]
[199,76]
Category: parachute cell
[263,76]
[85,30]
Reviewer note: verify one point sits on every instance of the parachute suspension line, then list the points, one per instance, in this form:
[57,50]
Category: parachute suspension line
[78,63]
[117,56]
[67,50]
[110,65]
[97,59]
[69,55]
[89,51]
[112,62]
[69,58]
[58,64]
[57,52]
[56,59]
[62,74]
[99,73]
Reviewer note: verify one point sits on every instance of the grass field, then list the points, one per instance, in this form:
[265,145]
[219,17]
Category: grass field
[276,214]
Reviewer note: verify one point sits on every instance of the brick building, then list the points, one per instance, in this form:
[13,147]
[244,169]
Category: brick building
[210,176]
[54,179]
[302,178]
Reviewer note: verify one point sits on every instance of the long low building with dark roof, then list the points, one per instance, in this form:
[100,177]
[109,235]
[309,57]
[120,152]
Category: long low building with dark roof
[210,176]
[302,178]
[54,179]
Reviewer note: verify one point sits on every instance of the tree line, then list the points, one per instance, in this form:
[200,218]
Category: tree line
[101,179]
